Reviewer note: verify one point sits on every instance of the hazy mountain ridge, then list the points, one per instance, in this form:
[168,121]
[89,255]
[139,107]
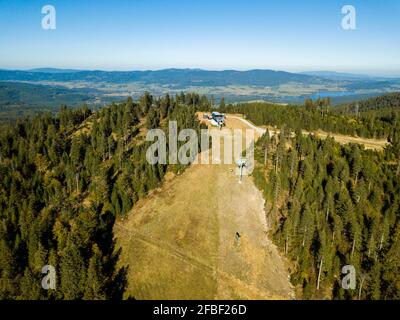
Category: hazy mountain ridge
[48,88]
[179,77]
[332,75]
[18,92]
[53,70]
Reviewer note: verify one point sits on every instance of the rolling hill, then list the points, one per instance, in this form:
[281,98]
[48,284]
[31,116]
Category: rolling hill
[20,99]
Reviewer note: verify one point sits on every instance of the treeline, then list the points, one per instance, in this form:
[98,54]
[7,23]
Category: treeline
[315,115]
[385,102]
[329,206]
[63,181]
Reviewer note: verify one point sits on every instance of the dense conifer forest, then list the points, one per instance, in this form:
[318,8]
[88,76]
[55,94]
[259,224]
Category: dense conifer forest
[331,205]
[387,102]
[64,180]
[373,118]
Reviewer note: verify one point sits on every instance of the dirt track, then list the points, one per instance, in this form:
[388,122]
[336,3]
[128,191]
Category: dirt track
[180,242]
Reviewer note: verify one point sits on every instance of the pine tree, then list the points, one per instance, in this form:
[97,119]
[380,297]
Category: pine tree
[73,272]
[96,282]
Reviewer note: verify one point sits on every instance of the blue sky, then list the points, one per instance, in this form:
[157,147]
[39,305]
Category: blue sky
[219,34]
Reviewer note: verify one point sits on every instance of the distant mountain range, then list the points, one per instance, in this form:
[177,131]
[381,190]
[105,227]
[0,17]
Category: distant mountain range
[53,70]
[185,77]
[188,77]
[99,87]
[332,75]
[177,77]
